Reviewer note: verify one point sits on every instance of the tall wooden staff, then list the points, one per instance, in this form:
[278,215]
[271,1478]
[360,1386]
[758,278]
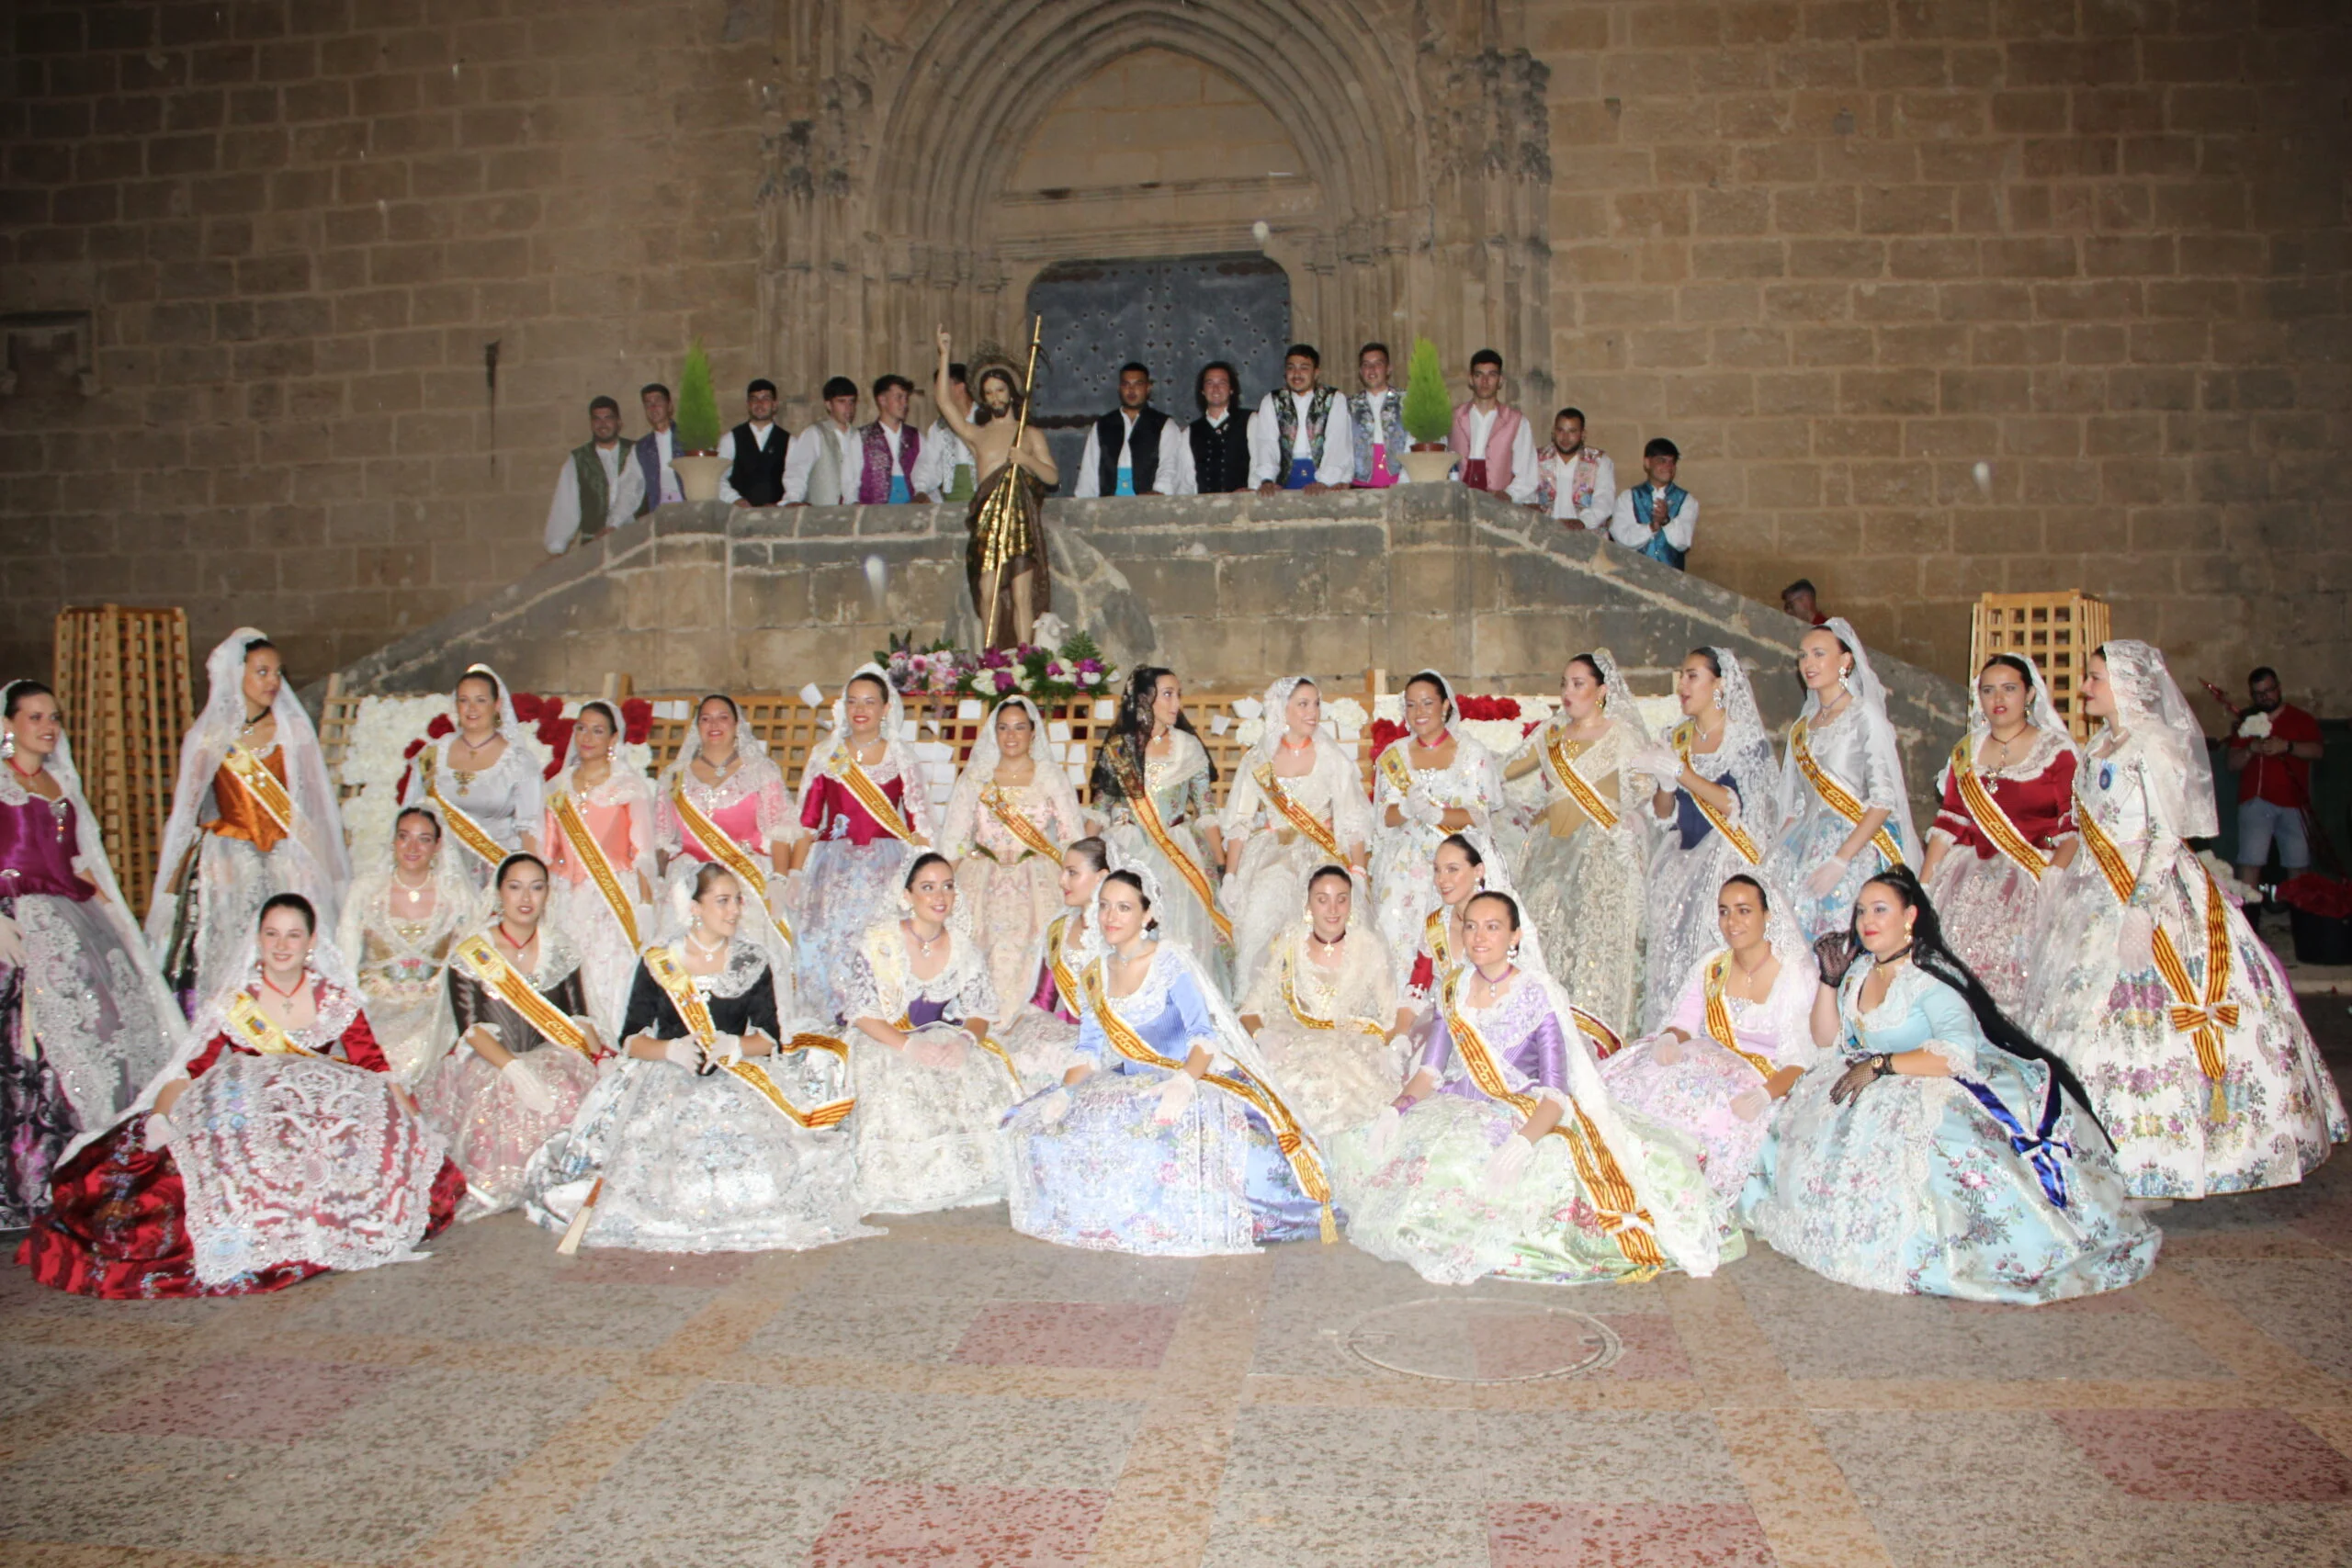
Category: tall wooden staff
[1001,513]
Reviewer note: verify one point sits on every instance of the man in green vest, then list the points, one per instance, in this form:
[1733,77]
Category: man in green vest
[598,488]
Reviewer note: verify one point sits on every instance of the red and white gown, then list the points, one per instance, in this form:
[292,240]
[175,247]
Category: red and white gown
[1989,903]
[280,1166]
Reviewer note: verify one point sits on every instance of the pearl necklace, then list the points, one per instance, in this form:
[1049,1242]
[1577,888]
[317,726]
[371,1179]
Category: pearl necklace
[415,892]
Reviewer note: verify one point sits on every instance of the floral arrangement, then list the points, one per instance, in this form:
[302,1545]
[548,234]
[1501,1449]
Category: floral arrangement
[1498,724]
[1073,668]
[2255,724]
[387,733]
[2329,898]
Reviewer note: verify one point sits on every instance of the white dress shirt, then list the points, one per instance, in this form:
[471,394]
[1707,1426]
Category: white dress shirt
[1164,480]
[1596,513]
[624,488]
[1269,462]
[800,465]
[1523,444]
[1634,532]
[760,435]
[935,464]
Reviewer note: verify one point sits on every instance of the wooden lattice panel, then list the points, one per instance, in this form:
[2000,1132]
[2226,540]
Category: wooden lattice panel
[122,679]
[2059,631]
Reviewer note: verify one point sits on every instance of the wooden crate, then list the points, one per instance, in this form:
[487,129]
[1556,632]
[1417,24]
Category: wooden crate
[123,680]
[2059,631]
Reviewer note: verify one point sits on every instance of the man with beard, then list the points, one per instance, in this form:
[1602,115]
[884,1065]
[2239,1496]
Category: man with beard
[1005,558]
[1132,449]
[2271,750]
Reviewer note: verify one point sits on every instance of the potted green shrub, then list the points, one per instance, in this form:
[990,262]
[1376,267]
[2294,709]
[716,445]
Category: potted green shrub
[1427,414]
[697,463]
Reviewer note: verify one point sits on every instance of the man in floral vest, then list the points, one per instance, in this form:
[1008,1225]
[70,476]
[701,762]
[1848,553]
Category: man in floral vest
[1296,443]
[892,447]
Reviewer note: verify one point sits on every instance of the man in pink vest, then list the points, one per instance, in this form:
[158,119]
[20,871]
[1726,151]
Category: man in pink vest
[1492,440]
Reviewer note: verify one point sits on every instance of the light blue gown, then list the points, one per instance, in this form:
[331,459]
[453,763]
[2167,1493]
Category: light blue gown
[1916,1186]
[1092,1167]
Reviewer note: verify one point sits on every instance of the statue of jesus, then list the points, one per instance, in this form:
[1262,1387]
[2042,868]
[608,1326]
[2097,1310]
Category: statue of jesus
[1006,555]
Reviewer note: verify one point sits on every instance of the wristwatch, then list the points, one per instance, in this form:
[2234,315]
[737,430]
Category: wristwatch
[1881,1064]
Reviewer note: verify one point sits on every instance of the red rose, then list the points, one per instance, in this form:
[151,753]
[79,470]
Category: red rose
[1383,731]
[413,748]
[442,725]
[637,720]
[529,708]
[1505,707]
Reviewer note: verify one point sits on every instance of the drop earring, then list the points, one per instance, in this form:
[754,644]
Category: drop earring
[8,744]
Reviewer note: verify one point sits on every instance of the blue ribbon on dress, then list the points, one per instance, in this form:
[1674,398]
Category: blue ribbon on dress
[2036,1146]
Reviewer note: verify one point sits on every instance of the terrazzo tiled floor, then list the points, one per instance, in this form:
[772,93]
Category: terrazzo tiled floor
[955,1395]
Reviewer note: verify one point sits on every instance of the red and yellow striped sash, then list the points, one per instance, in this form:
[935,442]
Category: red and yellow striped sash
[722,848]
[1580,788]
[1836,796]
[502,980]
[268,790]
[1017,823]
[1985,808]
[1270,785]
[1719,1027]
[591,855]
[871,795]
[662,963]
[1147,816]
[1734,834]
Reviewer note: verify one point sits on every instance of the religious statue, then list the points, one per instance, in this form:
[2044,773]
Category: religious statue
[1006,555]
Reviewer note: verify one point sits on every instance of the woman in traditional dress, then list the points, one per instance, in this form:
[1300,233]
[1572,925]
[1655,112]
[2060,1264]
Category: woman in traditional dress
[1938,1150]
[867,812]
[1585,869]
[527,1050]
[84,1018]
[1427,782]
[400,923]
[1458,871]
[1298,803]
[601,838]
[1042,1036]
[1718,798]
[276,1145]
[720,1130]
[1460,1176]
[481,778]
[1007,821]
[1152,780]
[2150,982]
[1736,1042]
[255,813]
[1845,816]
[932,1085]
[1172,1137]
[724,801]
[2007,820]
[1322,1008]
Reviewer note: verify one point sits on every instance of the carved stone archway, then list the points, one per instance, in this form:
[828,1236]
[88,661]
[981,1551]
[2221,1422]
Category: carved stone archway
[1425,142]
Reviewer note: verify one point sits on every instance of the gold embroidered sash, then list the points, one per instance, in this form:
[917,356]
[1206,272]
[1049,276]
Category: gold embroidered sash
[1306,1020]
[1305,821]
[1734,834]
[267,791]
[502,980]
[854,778]
[1133,785]
[1836,796]
[2202,1021]
[470,833]
[1719,1027]
[1984,807]
[1580,788]
[662,963]
[1605,1040]
[590,854]
[1394,767]
[1622,1216]
[1019,826]
[1305,1160]
[1064,983]
[723,848]
[251,1026]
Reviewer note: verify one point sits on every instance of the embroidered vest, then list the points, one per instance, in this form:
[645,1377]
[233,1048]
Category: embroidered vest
[874,482]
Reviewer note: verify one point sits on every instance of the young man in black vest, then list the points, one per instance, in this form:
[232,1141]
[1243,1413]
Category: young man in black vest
[1216,446]
[598,487]
[1132,450]
[754,451]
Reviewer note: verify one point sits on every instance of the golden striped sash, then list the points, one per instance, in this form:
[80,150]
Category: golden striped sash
[502,980]
[1018,825]
[1580,788]
[905,1024]
[1622,1216]
[1147,816]
[662,963]
[1985,808]
[1836,796]
[258,781]
[854,778]
[2202,1020]
[1305,1160]
[251,1027]
[470,833]
[1719,1027]
[1296,814]
[1734,834]
[722,848]
[1306,1020]
[1064,983]
[567,815]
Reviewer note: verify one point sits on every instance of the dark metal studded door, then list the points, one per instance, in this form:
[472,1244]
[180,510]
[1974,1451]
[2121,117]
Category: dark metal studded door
[1173,313]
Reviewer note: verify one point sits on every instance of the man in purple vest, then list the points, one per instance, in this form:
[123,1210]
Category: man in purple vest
[655,449]
[891,446]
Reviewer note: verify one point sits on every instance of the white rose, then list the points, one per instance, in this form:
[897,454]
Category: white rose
[2255,726]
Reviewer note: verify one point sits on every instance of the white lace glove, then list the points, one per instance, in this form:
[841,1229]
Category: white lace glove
[685,1051]
[160,1131]
[1054,1106]
[1175,1095]
[727,1050]
[1750,1105]
[1665,1050]
[1824,881]
[1421,809]
[528,1089]
[1660,763]
[12,944]
[939,1048]
[1384,1128]
[2138,949]
[1509,1164]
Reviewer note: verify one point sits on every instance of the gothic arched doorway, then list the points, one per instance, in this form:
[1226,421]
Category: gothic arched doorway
[1172,314]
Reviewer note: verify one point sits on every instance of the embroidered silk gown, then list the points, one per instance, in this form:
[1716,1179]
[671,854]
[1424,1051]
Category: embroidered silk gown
[1404,888]
[1584,881]
[1988,903]
[926,1136]
[1323,1029]
[1042,1039]
[618,813]
[239,867]
[703,1162]
[472,1107]
[1424,1202]
[1918,1187]
[1811,829]
[1268,888]
[1092,1167]
[401,962]
[852,876]
[1691,861]
[2279,1112]
[1011,890]
[282,1166]
[506,798]
[1694,1093]
[1179,786]
[80,1034]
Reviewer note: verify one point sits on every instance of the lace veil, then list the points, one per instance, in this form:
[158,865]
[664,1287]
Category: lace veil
[915,801]
[979,770]
[1878,737]
[2149,704]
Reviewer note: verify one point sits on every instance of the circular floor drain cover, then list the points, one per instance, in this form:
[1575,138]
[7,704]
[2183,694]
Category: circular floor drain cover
[1451,1339]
